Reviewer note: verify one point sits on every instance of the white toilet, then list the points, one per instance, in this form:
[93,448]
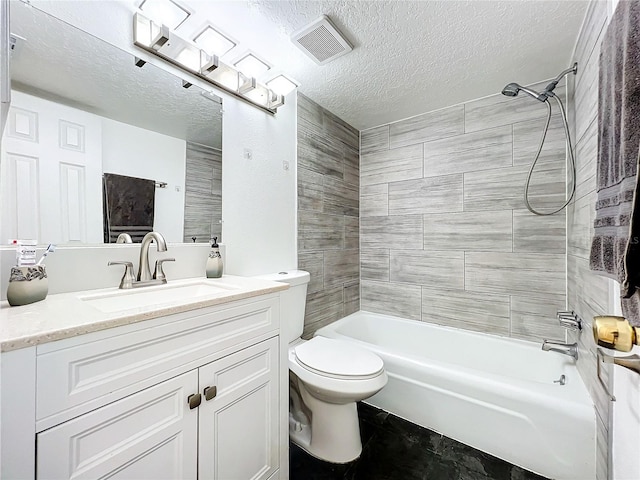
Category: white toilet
[326,379]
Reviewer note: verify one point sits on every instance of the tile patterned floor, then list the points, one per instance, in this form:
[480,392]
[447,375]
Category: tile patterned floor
[394,449]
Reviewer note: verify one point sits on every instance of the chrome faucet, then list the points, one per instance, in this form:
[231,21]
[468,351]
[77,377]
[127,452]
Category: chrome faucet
[570,349]
[144,278]
[124,238]
[144,272]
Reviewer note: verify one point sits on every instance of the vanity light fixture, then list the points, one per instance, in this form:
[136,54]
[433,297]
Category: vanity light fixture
[189,57]
[214,42]
[282,85]
[158,40]
[247,84]
[166,12]
[208,63]
[275,99]
[158,36]
[251,66]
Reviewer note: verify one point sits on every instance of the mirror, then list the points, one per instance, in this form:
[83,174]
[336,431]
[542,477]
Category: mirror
[95,145]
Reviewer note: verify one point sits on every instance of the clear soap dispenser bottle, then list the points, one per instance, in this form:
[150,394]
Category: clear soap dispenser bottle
[214,262]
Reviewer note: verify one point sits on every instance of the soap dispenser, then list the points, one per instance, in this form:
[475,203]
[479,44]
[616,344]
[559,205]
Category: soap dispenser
[214,262]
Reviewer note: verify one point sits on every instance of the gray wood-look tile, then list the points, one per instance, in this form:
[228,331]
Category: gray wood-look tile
[328,213]
[320,231]
[473,231]
[322,308]
[526,141]
[391,165]
[514,273]
[318,303]
[586,161]
[340,198]
[374,140]
[309,190]
[503,188]
[427,268]
[374,264]
[480,150]
[203,193]
[429,126]
[588,292]
[479,312]
[581,214]
[313,262]
[351,233]
[341,267]
[351,294]
[541,234]
[392,299]
[499,110]
[586,93]
[534,318]
[351,173]
[594,23]
[338,129]
[309,111]
[426,195]
[317,154]
[374,200]
[399,231]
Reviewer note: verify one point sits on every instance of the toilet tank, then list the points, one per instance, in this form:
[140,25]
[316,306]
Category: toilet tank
[292,301]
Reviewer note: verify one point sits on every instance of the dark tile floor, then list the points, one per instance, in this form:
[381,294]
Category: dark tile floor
[394,449]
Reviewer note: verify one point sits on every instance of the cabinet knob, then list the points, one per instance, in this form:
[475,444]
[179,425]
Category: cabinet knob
[210,392]
[194,400]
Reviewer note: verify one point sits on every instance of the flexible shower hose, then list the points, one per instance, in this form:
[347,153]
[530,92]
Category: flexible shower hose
[535,160]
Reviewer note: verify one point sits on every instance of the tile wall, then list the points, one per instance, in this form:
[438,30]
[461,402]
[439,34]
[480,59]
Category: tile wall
[444,233]
[588,294]
[203,194]
[328,214]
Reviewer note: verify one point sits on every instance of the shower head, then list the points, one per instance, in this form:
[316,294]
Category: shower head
[512,90]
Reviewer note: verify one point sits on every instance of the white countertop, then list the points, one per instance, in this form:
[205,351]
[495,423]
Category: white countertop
[67,315]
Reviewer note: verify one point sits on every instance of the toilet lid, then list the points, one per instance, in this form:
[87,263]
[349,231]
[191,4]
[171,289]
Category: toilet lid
[338,359]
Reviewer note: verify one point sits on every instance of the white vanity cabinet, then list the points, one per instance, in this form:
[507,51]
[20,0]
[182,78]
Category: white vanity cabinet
[194,395]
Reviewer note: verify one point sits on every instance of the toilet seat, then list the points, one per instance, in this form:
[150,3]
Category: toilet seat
[335,359]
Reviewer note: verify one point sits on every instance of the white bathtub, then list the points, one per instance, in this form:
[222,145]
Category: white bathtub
[492,393]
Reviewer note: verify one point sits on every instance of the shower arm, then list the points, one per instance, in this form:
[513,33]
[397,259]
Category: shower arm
[549,88]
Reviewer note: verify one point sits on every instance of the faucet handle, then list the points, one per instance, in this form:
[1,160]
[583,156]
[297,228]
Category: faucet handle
[569,320]
[128,278]
[158,272]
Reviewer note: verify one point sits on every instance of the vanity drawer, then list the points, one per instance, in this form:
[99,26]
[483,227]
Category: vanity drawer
[99,368]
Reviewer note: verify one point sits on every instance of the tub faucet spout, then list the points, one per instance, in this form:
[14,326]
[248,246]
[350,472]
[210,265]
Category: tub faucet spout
[570,349]
[144,272]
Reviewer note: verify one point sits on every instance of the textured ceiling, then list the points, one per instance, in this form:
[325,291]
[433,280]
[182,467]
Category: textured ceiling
[410,56]
[87,73]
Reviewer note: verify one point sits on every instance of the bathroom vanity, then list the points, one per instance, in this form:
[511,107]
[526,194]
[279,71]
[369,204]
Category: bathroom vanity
[187,380]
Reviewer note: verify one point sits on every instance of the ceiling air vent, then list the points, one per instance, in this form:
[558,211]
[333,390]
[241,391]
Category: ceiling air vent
[321,41]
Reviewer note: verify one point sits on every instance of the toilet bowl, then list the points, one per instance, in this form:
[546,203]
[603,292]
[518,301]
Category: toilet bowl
[326,379]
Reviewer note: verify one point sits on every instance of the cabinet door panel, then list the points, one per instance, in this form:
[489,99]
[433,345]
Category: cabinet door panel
[149,435]
[70,377]
[238,436]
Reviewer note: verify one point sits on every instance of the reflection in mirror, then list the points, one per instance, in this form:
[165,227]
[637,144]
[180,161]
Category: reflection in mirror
[96,146]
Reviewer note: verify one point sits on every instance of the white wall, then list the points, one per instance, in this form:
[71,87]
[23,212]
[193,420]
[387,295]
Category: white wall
[259,197]
[136,152]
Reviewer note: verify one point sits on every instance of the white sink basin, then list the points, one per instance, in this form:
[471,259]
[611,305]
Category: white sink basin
[139,298]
